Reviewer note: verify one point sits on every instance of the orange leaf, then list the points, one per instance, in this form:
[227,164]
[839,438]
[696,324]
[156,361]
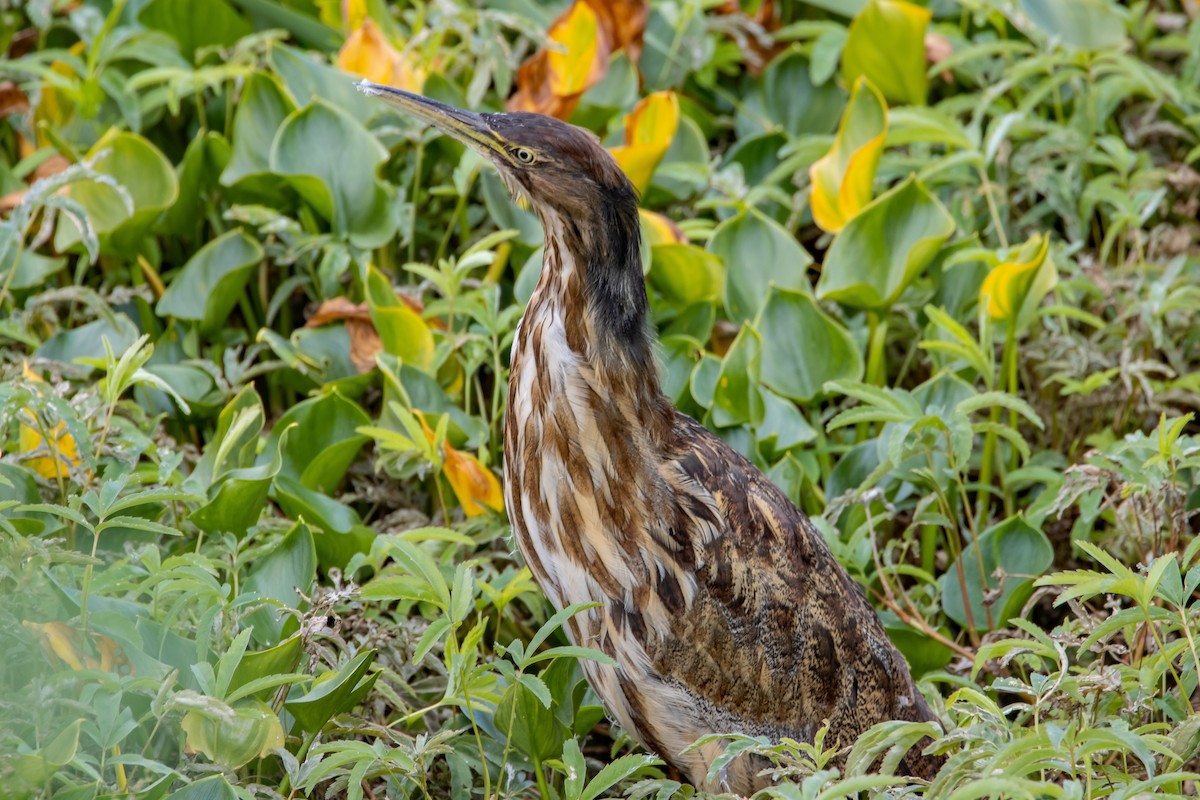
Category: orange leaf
[649,129]
[368,53]
[582,40]
[364,339]
[474,485]
[660,229]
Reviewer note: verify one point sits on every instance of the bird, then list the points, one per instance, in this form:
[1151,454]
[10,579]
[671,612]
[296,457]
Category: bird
[719,603]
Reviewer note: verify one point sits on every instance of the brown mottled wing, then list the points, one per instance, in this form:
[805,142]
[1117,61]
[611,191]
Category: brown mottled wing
[780,637]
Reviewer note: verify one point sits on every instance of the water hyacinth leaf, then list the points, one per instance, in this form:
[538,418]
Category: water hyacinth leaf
[784,97]
[199,175]
[325,443]
[263,107]
[195,24]
[572,58]
[758,254]
[886,43]
[1083,24]
[1015,287]
[307,78]
[280,577]
[231,735]
[737,399]
[649,130]
[333,692]
[33,270]
[210,283]
[238,496]
[342,534]
[1013,554]
[879,253]
[685,274]
[791,325]
[842,178]
[402,331]
[120,216]
[368,54]
[529,725]
[330,159]
[214,787]
[280,659]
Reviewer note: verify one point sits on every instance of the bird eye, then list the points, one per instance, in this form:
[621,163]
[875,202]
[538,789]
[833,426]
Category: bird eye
[524,156]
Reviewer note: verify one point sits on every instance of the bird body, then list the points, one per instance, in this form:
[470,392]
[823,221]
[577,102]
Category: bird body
[719,602]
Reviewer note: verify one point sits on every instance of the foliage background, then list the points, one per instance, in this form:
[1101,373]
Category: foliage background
[931,266]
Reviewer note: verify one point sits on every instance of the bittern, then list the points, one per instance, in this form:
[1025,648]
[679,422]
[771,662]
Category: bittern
[720,603]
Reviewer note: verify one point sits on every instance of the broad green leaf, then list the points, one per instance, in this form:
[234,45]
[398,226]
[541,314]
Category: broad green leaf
[199,176]
[913,124]
[307,78]
[280,659]
[886,43]
[87,341]
[530,726]
[402,331]
[196,23]
[333,692]
[1019,551]
[34,769]
[842,178]
[33,269]
[884,248]
[737,398]
[231,736]
[263,107]
[214,787]
[280,576]
[758,254]
[325,441]
[210,283]
[330,159]
[237,497]
[685,274]
[783,425]
[1083,24]
[803,347]
[342,533]
[784,98]
[149,185]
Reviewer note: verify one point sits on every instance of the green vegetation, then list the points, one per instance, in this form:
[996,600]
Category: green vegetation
[933,269]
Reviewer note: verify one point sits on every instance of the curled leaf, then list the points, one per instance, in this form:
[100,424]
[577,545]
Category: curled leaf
[64,452]
[1021,281]
[842,178]
[649,129]
[474,485]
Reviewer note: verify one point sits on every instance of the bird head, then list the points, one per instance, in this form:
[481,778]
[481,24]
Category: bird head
[552,164]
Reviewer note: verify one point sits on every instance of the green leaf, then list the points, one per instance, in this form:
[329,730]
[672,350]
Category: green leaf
[231,736]
[685,274]
[402,331]
[199,177]
[214,787]
[147,182]
[334,692]
[758,253]
[210,283]
[1021,552]
[34,769]
[196,23]
[282,658]
[1083,24]
[330,159]
[263,107]
[279,576]
[879,252]
[886,43]
[342,533]
[784,97]
[529,723]
[237,497]
[790,324]
[326,440]
[737,398]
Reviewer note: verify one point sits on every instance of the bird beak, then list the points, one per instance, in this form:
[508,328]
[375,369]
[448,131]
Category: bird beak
[466,126]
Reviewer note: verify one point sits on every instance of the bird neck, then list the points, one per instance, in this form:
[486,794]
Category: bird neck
[592,282]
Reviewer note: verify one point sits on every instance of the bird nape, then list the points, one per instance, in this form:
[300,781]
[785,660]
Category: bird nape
[720,603]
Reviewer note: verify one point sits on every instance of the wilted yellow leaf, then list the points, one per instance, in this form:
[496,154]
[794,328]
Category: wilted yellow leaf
[368,53]
[575,41]
[842,178]
[1010,283]
[582,40]
[64,451]
[58,639]
[474,485]
[649,129]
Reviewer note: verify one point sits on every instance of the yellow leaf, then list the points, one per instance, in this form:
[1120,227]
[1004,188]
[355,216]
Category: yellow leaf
[1007,286]
[474,485]
[59,639]
[649,129]
[842,178]
[660,229]
[368,53]
[64,451]
[573,50]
